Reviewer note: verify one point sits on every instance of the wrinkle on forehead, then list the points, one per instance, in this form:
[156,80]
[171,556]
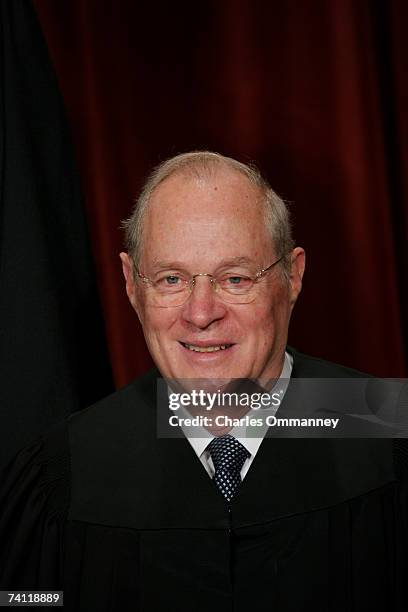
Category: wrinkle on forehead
[158,264]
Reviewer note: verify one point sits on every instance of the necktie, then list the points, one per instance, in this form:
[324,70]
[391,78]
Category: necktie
[228,456]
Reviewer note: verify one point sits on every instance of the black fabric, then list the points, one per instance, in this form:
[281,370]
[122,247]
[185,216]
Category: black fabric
[328,532]
[52,347]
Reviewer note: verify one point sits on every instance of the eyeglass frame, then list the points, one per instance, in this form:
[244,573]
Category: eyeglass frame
[213,279]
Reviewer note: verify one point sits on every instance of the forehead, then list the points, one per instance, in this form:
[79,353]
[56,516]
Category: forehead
[217,215]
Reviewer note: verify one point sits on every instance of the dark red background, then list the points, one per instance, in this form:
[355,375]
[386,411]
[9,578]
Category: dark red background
[315,92]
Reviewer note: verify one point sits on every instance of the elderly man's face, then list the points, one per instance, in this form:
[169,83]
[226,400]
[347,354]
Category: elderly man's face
[197,225]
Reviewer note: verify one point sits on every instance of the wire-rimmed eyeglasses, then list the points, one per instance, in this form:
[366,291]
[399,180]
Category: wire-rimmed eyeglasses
[175,289]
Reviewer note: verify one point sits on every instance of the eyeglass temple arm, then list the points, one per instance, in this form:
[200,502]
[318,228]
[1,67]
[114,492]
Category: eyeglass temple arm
[142,276]
[262,272]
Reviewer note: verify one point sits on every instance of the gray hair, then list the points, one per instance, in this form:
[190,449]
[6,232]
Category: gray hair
[197,164]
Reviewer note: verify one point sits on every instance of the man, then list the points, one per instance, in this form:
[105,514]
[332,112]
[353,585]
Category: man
[123,519]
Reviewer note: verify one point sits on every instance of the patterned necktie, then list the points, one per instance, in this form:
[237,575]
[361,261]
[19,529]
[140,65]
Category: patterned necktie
[228,456]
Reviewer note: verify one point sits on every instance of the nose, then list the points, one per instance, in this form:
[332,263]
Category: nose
[204,306]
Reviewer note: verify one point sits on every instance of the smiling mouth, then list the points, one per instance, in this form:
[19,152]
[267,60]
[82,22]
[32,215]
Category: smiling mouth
[206,349]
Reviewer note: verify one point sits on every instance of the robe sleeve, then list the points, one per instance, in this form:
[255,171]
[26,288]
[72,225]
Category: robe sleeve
[34,497]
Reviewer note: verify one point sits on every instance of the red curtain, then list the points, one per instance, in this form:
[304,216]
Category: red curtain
[315,92]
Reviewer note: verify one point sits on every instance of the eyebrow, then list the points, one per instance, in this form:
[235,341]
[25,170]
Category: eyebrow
[230,261]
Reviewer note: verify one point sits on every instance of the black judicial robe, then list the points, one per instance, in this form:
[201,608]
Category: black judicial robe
[121,520]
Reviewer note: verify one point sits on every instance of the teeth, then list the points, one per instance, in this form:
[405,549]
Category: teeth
[207,349]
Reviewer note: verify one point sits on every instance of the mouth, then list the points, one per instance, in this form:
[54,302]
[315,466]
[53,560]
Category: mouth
[213,348]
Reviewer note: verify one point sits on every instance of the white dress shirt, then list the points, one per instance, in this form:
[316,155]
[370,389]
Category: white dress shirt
[250,437]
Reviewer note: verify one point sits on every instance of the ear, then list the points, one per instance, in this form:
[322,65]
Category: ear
[128,273]
[298,261]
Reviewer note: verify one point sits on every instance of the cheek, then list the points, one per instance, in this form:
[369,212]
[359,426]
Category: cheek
[156,323]
[263,315]
[269,316]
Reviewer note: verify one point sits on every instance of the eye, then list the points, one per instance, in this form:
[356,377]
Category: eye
[171,280]
[235,282]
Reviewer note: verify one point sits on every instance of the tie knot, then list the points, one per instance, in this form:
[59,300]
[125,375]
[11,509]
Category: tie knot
[227,454]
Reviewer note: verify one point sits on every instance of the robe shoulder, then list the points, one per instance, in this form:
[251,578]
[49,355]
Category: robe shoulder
[35,494]
[306,366]
[34,500]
